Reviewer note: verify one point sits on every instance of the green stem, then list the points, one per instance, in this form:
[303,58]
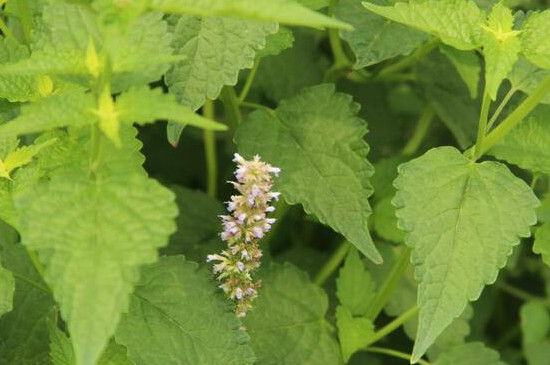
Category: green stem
[25,18]
[231,106]
[482,125]
[521,294]
[393,353]
[408,61]
[341,61]
[501,106]
[5,30]
[210,151]
[332,264]
[30,282]
[534,181]
[515,117]
[96,147]
[393,325]
[389,284]
[420,131]
[249,81]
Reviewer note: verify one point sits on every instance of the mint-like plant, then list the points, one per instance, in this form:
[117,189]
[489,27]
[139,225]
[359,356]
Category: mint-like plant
[390,201]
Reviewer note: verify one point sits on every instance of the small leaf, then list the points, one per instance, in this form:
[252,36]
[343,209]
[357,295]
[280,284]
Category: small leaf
[288,325]
[462,220]
[21,157]
[535,40]
[317,141]
[354,332]
[474,353]
[277,42]
[455,22]
[178,315]
[354,287]
[280,11]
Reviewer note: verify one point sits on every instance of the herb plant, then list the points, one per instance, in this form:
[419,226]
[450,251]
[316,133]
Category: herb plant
[426,239]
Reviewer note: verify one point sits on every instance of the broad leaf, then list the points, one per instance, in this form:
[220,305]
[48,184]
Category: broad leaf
[288,325]
[474,353]
[317,141]
[92,251]
[455,22]
[280,11]
[354,332]
[375,38]
[501,46]
[535,42]
[354,287]
[527,144]
[462,220]
[178,315]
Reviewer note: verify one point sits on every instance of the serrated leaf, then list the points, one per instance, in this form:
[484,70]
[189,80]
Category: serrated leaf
[178,315]
[474,353]
[317,141]
[535,43]
[354,332]
[462,220]
[216,49]
[527,144]
[60,110]
[375,38]
[93,265]
[501,46]
[287,325]
[455,22]
[277,42]
[24,331]
[385,221]
[542,242]
[21,157]
[527,77]
[280,11]
[354,286]
[467,64]
[144,105]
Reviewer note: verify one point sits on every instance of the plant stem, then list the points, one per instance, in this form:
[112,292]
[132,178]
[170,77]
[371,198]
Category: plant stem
[420,131]
[210,151]
[534,181]
[515,117]
[25,18]
[249,81]
[482,125]
[408,61]
[389,285]
[36,262]
[5,30]
[394,353]
[341,61]
[501,106]
[393,325]
[231,107]
[521,294]
[332,264]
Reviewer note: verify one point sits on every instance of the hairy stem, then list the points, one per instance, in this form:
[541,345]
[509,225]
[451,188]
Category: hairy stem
[332,264]
[389,284]
[515,117]
[210,151]
[249,81]
[393,353]
[420,131]
[393,325]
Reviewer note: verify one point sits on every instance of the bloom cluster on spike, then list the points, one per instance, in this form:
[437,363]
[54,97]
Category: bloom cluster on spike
[243,228]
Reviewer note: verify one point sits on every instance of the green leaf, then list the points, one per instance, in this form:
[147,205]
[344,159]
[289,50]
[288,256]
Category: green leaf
[468,65]
[542,242]
[474,353]
[277,42]
[7,290]
[354,332]
[280,11]
[527,144]
[375,38]
[317,141]
[455,22]
[92,251]
[385,221]
[144,105]
[354,287]
[216,49]
[24,330]
[178,315]
[462,220]
[386,172]
[60,110]
[288,325]
[501,46]
[21,157]
[535,328]
[314,4]
[535,42]
[527,77]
